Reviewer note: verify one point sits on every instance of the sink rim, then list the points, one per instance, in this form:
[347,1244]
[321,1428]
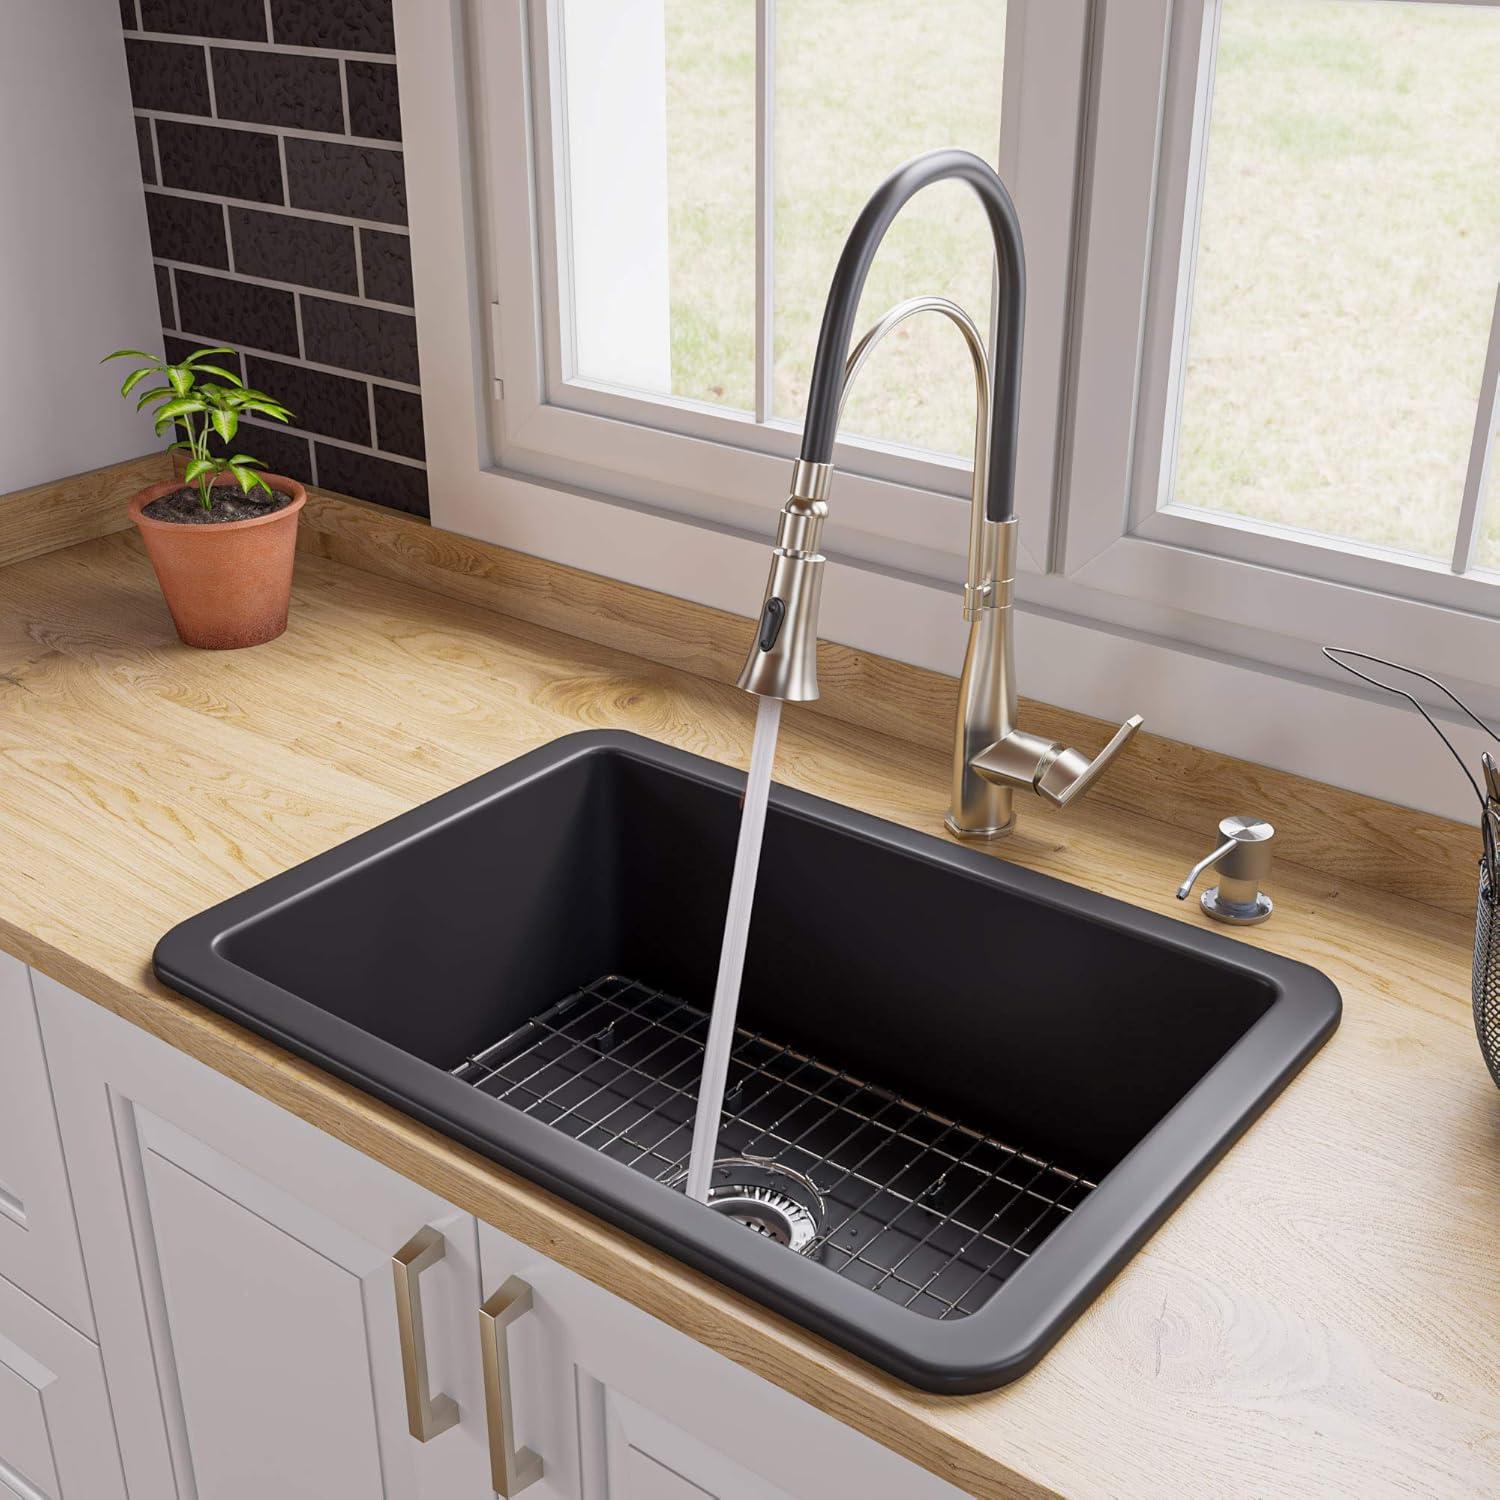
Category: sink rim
[1020,1322]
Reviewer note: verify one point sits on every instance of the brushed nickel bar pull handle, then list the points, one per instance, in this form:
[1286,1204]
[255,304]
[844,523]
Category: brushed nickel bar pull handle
[511,1469]
[426,1415]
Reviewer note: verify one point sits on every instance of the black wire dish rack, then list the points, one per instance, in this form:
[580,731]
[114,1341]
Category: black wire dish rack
[1486,984]
[921,1209]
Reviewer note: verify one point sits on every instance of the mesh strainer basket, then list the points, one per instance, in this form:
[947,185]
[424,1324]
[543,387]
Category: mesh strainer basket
[1487,912]
[1487,973]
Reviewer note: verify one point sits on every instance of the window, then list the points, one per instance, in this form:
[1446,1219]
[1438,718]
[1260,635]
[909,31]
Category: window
[1287,337]
[696,167]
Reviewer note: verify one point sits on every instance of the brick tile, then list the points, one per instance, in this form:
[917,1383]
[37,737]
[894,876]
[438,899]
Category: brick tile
[211,159]
[270,89]
[167,75]
[364,182]
[352,25]
[368,339]
[369,478]
[164,296]
[374,101]
[146,151]
[329,404]
[387,266]
[281,452]
[190,229]
[398,422]
[283,247]
[237,312]
[236,20]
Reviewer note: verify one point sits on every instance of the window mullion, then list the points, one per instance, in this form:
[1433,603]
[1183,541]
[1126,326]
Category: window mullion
[765,205]
[1471,513]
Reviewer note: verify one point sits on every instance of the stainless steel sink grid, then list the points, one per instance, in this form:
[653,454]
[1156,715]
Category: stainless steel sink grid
[920,1208]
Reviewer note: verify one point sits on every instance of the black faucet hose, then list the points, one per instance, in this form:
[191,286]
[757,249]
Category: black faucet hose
[849,280]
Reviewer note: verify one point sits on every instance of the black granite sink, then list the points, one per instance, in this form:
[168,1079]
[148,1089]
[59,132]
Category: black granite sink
[971,1090]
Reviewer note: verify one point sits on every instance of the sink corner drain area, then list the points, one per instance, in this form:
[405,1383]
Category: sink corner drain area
[959,1095]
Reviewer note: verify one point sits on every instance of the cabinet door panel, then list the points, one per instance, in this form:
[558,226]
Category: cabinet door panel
[57,1438]
[241,1262]
[659,1415]
[38,1238]
[269,1334]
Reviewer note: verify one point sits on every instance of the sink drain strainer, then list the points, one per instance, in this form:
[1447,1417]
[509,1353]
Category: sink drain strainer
[774,1201]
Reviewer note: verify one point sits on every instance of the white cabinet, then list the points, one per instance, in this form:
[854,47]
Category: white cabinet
[241,1263]
[618,1406]
[38,1240]
[257,1340]
[57,1441]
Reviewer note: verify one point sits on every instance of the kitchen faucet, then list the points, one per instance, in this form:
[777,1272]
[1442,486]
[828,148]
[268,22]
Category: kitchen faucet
[992,757]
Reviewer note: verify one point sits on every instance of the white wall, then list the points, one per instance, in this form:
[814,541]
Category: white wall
[75,262]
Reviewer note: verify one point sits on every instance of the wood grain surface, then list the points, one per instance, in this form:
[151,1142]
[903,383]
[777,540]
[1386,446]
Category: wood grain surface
[76,509]
[1322,1317]
[1344,834]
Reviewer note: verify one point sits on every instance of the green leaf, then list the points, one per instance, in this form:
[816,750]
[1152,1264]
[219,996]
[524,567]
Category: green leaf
[228,375]
[248,478]
[186,447]
[226,424]
[198,468]
[135,378]
[154,359]
[181,407]
[198,354]
[181,378]
[269,409]
[154,394]
[244,458]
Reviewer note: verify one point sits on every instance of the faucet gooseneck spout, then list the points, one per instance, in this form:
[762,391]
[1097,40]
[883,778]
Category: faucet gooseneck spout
[991,756]
[837,332]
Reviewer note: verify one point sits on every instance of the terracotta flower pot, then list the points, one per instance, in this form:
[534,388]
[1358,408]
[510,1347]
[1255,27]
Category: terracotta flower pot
[227,584]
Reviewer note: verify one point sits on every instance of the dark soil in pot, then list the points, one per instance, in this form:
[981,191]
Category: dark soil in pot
[184,507]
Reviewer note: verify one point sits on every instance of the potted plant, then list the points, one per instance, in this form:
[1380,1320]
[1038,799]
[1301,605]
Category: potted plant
[222,538]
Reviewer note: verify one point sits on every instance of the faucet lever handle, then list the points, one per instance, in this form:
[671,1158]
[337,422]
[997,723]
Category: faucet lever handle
[1068,774]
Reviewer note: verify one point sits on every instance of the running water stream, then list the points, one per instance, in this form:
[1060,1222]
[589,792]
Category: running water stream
[732,955]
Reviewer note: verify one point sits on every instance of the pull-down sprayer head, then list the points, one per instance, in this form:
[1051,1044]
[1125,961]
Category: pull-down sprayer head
[783,658]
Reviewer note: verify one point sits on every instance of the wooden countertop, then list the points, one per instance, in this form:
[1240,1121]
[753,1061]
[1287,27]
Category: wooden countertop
[1321,1317]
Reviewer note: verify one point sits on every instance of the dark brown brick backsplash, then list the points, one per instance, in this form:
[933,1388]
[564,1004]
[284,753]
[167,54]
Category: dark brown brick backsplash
[147,151]
[238,312]
[374,102]
[398,422]
[387,266]
[354,337]
[280,451]
[363,182]
[269,88]
[304,284]
[190,229]
[211,160]
[282,247]
[332,405]
[351,25]
[237,20]
[164,297]
[369,478]
[167,75]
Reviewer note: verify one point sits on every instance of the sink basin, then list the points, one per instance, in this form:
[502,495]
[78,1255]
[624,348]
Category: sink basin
[962,1094]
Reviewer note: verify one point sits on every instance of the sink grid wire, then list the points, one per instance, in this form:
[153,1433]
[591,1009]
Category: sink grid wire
[921,1209]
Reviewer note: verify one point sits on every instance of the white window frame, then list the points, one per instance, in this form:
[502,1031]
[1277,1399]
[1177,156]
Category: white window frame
[892,507]
[1206,677]
[1150,93]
